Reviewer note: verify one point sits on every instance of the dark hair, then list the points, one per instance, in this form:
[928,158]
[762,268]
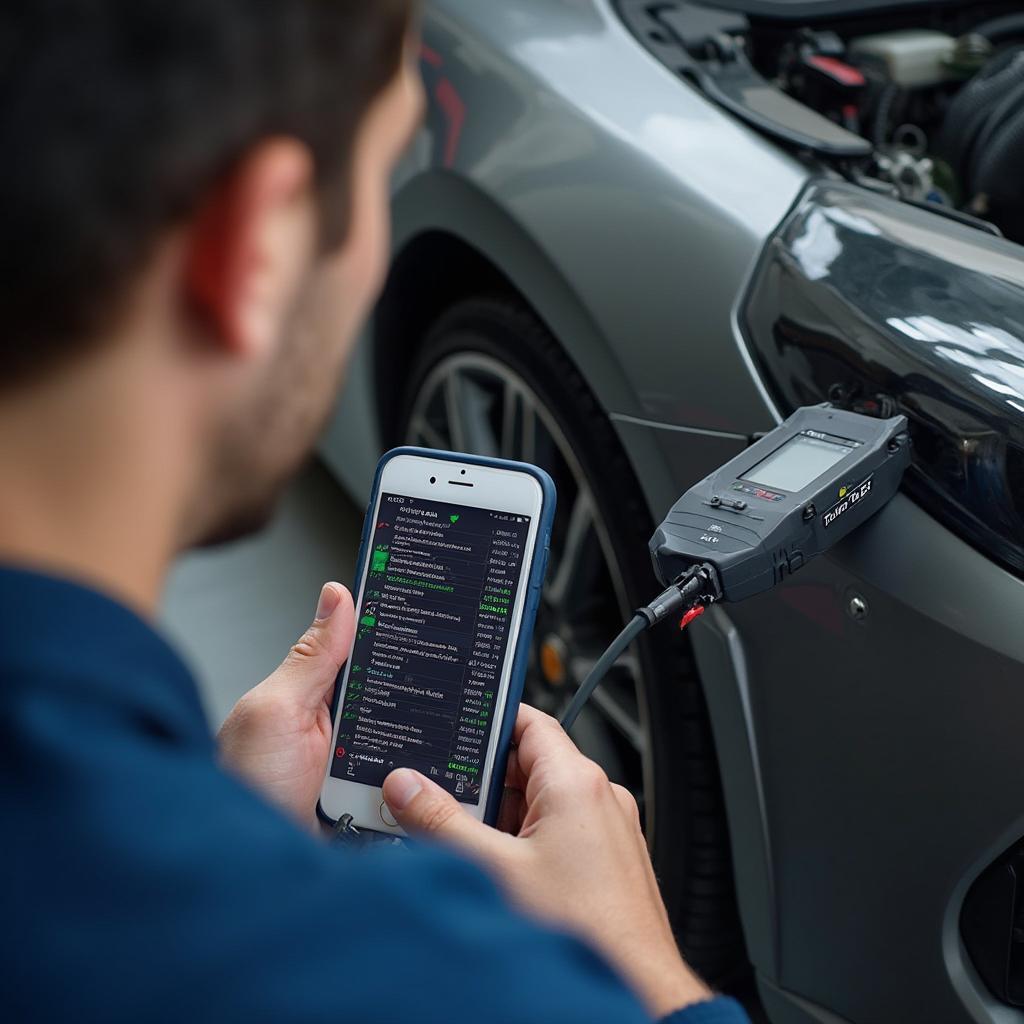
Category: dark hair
[118,116]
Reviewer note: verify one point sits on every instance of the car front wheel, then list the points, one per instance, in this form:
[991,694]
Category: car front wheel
[489,379]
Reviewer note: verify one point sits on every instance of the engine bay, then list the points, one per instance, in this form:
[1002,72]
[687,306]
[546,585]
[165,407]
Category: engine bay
[924,100]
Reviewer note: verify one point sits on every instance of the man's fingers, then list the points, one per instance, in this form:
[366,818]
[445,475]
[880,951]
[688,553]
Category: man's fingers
[628,803]
[424,809]
[309,670]
[542,749]
[524,718]
[539,737]
[536,732]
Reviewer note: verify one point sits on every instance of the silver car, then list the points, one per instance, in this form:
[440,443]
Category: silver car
[631,237]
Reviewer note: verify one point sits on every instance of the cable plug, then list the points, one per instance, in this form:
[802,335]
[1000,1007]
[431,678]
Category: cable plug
[696,588]
[344,831]
[699,585]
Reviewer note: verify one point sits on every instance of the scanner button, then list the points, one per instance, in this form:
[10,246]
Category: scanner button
[795,560]
[386,816]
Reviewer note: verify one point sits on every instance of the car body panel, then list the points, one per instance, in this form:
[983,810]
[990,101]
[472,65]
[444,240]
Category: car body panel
[564,144]
[536,152]
[890,766]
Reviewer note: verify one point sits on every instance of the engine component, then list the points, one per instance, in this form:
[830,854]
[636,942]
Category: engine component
[934,117]
[913,58]
[914,176]
[726,76]
[829,79]
[733,82]
[816,72]
[971,53]
[982,139]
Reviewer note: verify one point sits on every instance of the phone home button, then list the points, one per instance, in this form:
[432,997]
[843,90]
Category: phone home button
[386,816]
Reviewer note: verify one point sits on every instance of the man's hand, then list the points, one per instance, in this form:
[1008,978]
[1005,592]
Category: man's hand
[572,853]
[278,736]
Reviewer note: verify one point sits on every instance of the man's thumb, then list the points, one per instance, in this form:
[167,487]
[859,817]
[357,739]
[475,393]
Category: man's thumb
[330,634]
[423,808]
[314,660]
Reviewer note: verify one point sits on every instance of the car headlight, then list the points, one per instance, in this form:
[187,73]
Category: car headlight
[880,307]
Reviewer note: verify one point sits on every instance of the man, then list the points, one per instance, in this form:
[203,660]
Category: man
[194,225]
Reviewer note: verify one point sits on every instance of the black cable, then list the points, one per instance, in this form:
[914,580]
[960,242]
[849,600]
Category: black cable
[636,626]
[344,831]
[697,587]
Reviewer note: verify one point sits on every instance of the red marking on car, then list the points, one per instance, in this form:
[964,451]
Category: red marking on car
[429,56]
[454,110]
[815,603]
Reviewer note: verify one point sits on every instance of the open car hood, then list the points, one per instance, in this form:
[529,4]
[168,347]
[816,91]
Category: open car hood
[811,10]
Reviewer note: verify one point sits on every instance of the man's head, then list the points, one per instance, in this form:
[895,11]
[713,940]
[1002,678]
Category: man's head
[197,190]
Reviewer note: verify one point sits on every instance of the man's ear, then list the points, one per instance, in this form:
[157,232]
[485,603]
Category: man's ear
[251,245]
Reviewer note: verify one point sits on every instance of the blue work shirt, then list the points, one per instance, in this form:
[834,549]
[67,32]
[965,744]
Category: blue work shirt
[141,883]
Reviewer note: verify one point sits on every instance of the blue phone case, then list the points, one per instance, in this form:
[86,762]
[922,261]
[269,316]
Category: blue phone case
[539,566]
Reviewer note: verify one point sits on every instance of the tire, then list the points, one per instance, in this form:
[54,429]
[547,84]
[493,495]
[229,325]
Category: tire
[475,376]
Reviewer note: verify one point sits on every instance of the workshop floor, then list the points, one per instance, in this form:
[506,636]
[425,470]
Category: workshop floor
[234,612]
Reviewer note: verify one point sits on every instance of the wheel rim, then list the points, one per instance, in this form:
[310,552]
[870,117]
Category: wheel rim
[474,403]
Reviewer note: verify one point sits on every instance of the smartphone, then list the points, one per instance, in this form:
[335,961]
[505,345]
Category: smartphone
[453,556]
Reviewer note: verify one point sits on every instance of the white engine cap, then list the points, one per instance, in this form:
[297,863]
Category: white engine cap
[912,58]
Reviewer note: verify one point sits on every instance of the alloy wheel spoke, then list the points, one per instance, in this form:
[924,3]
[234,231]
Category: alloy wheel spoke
[426,434]
[479,402]
[620,719]
[571,565]
[453,407]
[625,669]
[483,406]
[626,665]
[528,448]
[509,413]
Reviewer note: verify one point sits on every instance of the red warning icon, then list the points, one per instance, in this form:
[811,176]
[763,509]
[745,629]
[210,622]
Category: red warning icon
[340,752]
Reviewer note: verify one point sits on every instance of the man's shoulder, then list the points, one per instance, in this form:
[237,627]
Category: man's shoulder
[66,649]
[147,884]
[157,887]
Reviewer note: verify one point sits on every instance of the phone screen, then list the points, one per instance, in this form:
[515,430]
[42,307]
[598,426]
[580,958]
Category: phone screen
[432,634]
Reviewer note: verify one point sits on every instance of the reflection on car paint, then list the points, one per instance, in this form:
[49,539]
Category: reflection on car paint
[880,306]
